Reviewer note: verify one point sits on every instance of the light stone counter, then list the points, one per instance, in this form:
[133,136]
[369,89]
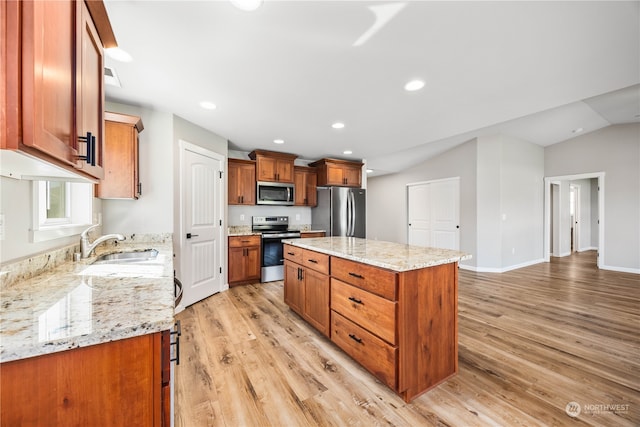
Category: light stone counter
[77,304]
[393,256]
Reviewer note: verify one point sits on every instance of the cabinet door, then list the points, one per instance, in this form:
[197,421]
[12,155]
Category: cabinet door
[236,265]
[293,287]
[48,75]
[284,170]
[316,300]
[252,263]
[111,384]
[90,93]
[120,162]
[353,176]
[267,169]
[335,175]
[300,184]
[312,186]
[305,182]
[242,183]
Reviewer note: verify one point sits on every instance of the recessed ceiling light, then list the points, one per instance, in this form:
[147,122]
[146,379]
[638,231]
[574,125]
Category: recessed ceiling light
[347,152]
[119,54]
[247,5]
[208,105]
[337,125]
[278,141]
[577,130]
[414,85]
[369,170]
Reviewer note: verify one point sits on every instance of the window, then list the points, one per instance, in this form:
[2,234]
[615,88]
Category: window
[60,209]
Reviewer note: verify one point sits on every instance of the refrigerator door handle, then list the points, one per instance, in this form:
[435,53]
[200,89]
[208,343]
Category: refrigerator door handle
[352,214]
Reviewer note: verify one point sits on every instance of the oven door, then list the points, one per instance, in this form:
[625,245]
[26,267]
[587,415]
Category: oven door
[273,255]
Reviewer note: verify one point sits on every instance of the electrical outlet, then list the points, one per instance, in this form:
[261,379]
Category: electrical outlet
[241,217]
[297,217]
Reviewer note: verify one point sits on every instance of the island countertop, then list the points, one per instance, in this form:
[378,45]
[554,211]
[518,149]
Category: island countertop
[393,256]
[78,304]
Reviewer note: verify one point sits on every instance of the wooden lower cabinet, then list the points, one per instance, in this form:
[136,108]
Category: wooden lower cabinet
[244,259]
[307,285]
[401,326]
[309,234]
[119,383]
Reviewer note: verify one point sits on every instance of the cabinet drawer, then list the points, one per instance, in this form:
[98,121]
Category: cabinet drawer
[374,313]
[293,253]
[243,241]
[316,261]
[373,279]
[374,354]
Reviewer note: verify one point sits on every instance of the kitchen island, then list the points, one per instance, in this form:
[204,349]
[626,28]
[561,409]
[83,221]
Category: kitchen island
[391,307]
[88,344]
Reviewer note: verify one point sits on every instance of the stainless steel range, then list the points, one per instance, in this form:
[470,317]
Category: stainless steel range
[273,229]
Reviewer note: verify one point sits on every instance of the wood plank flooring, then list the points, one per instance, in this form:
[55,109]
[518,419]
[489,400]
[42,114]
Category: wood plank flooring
[530,342]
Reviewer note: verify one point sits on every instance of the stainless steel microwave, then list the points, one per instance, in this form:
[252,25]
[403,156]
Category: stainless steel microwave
[274,193]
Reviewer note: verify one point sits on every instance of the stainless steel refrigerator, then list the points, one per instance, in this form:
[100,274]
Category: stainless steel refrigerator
[341,211]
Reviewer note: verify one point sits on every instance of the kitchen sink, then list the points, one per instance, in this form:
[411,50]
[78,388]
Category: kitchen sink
[127,257]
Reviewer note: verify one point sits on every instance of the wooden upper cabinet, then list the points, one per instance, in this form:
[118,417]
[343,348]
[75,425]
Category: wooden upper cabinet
[90,94]
[242,182]
[54,81]
[273,166]
[305,181]
[121,157]
[335,172]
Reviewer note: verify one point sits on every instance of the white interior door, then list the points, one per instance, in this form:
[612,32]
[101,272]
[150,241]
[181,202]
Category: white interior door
[419,215]
[445,214]
[434,214]
[202,196]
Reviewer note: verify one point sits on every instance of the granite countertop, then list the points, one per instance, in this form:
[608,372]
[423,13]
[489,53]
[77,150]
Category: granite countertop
[77,304]
[393,256]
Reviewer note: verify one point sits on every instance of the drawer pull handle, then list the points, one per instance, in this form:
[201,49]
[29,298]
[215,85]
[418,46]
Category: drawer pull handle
[178,334]
[356,300]
[355,338]
[356,275]
[291,253]
[313,261]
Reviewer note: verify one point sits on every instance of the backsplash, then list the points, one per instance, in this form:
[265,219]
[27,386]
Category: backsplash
[27,268]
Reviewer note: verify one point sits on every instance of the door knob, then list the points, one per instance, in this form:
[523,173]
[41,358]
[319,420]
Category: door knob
[189,235]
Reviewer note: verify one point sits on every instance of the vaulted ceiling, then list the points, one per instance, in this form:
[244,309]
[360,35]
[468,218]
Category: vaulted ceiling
[539,71]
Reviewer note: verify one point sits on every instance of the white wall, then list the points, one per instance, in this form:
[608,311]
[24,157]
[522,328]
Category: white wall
[387,197]
[501,200]
[16,204]
[153,211]
[614,150]
[510,203]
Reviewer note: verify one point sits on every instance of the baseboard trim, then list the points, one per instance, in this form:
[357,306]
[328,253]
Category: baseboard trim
[620,269]
[500,270]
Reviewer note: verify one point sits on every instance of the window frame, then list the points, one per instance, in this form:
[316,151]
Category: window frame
[79,211]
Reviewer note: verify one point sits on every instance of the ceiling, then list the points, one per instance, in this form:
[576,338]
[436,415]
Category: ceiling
[533,70]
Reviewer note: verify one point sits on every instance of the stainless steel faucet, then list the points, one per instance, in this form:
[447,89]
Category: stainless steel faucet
[86,248]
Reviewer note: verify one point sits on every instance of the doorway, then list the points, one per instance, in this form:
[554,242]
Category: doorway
[574,215]
[201,218]
[433,213]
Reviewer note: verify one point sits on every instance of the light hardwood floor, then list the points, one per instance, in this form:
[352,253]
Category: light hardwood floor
[530,341]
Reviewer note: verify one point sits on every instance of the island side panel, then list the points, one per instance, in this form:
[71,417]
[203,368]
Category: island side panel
[428,328]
